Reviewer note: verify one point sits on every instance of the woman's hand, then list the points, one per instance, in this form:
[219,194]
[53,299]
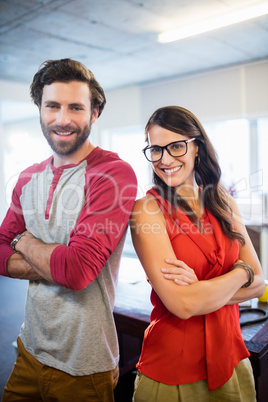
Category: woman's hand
[182,275]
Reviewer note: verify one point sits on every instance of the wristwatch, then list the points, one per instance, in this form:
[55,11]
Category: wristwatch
[15,241]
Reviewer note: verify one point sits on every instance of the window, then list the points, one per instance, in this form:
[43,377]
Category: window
[128,144]
[22,149]
[241,147]
[231,139]
[22,143]
[262,141]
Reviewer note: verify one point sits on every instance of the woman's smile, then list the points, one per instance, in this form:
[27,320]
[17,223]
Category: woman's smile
[171,171]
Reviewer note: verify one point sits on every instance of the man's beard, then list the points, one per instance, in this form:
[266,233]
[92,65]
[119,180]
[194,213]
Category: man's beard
[66,147]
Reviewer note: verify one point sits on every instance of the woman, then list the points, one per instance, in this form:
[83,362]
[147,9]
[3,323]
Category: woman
[200,262]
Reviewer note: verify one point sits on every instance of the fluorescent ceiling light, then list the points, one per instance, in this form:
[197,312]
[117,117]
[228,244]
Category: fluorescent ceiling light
[215,23]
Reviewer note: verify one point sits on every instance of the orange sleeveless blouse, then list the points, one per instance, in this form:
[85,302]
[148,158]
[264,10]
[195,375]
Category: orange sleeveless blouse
[210,346]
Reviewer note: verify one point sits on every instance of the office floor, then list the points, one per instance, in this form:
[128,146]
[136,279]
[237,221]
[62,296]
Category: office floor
[12,300]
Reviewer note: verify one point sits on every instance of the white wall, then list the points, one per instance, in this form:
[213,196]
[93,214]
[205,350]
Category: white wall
[239,91]
[9,91]
[14,91]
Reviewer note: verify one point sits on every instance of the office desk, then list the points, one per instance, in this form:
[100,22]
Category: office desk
[132,316]
[256,339]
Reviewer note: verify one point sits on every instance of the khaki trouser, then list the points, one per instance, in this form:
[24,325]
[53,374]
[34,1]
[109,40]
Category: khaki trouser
[239,388]
[32,381]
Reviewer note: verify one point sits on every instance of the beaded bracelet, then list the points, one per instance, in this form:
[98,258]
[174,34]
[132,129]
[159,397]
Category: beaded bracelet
[249,270]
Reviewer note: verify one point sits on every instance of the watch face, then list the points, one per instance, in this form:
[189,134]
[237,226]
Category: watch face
[15,241]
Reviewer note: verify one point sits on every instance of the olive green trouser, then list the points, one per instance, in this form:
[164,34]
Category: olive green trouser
[239,388]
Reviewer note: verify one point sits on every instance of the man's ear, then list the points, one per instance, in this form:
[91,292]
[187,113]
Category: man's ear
[95,114]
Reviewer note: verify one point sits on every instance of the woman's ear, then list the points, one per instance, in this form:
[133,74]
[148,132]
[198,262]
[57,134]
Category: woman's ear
[197,149]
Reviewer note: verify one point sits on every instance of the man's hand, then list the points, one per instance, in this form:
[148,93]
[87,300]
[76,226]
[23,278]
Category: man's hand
[18,268]
[183,275]
[36,253]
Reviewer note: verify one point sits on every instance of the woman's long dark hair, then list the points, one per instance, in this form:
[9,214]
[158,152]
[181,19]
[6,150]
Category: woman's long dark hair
[207,169]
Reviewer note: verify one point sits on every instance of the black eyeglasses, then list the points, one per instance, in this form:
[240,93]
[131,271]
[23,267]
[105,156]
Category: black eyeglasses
[177,148]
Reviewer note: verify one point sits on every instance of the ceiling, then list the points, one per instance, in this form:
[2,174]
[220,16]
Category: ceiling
[117,39]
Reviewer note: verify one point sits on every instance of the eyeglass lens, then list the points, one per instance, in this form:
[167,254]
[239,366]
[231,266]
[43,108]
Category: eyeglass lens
[175,149]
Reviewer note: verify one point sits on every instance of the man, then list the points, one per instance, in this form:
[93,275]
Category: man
[64,232]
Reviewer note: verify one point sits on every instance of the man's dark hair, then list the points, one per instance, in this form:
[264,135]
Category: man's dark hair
[66,70]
